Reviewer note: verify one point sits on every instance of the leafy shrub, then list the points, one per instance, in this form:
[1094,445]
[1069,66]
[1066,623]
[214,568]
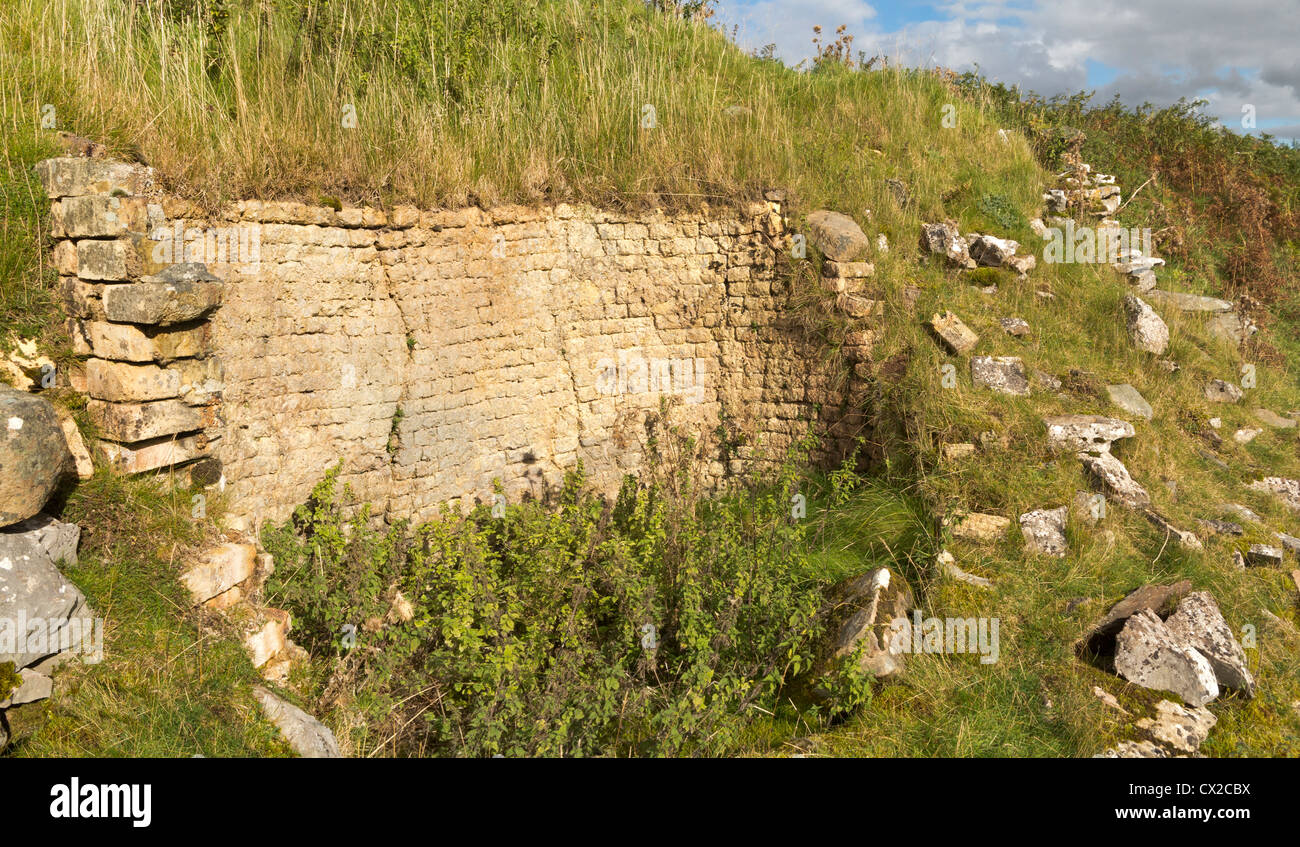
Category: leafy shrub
[999,209]
[658,625]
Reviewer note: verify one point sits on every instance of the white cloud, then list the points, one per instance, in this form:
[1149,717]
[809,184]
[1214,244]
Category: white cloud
[1231,53]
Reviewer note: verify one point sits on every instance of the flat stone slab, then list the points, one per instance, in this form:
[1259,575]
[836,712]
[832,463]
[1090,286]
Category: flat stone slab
[1274,420]
[955,335]
[1085,432]
[1115,480]
[308,737]
[1003,374]
[1189,302]
[1130,400]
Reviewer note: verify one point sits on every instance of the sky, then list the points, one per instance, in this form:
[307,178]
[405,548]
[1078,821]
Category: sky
[1234,54]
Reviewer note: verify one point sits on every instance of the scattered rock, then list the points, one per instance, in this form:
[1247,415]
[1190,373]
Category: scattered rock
[1115,480]
[1186,540]
[1127,398]
[1160,599]
[838,236]
[1288,490]
[1199,622]
[1289,542]
[945,240]
[33,589]
[1149,655]
[1044,531]
[1274,420]
[1145,327]
[946,561]
[954,452]
[1189,302]
[1016,327]
[1179,729]
[1264,554]
[1003,374]
[308,737]
[219,570]
[1217,527]
[992,252]
[976,526]
[1135,750]
[861,610]
[1241,511]
[34,457]
[81,460]
[1109,699]
[34,686]
[1247,435]
[955,335]
[1238,560]
[1221,391]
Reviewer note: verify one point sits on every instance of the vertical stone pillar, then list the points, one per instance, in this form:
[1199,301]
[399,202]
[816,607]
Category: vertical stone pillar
[141,324]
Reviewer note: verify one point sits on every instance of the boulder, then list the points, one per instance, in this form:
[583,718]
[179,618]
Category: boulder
[35,600]
[1189,302]
[860,613]
[1145,327]
[992,252]
[34,457]
[1160,599]
[1085,432]
[1264,554]
[838,236]
[1003,374]
[1199,622]
[1044,531]
[308,737]
[1148,654]
[1016,327]
[1115,481]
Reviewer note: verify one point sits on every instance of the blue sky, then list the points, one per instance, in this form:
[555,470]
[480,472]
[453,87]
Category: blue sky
[1243,57]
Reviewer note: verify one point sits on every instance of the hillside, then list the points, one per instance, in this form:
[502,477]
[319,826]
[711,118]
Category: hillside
[527,623]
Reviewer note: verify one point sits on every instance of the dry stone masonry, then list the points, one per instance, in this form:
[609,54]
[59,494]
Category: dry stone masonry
[431,351]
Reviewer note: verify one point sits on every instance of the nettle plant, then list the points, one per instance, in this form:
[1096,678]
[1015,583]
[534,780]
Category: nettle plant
[660,624]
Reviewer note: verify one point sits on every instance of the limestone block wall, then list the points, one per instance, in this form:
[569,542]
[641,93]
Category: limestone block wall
[431,351]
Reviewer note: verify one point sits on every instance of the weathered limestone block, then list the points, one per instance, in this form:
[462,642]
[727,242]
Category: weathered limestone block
[1044,531]
[1179,729]
[102,260]
[179,294]
[132,422]
[1115,481]
[130,343]
[122,382]
[159,453]
[1003,374]
[75,177]
[1145,327]
[838,236]
[220,569]
[94,216]
[955,335]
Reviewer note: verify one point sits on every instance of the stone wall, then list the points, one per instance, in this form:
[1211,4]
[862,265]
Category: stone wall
[431,351]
